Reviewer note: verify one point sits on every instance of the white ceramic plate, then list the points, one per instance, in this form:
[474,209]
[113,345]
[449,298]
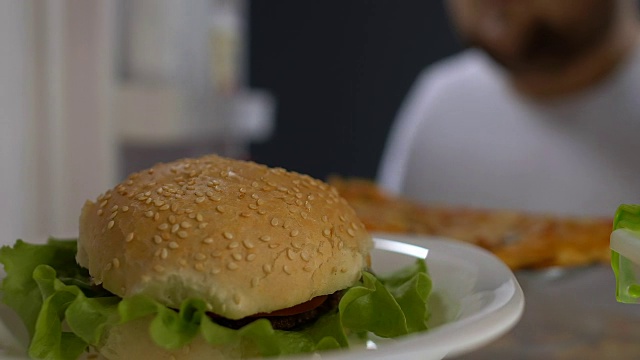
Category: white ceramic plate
[476,299]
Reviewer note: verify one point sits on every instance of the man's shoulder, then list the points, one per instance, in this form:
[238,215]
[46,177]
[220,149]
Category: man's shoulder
[469,68]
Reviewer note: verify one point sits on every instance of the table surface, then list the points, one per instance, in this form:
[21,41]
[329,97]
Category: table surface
[570,314]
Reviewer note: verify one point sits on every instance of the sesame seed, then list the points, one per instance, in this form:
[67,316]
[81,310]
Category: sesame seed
[149,214]
[232,266]
[247,243]
[215,271]
[202,225]
[114,208]
[174,207]
[325,218]
[234,245]
[265,238]
[260,202]
[199,193]
[255,184]
[199,267]
[251,257]
[304,214]
[163,226]
[326,232]
[125,208]
[220,209]
[245,214]
[227,235]
[110,224]
[129,237]
[200,200]
[208,240]
[164,207]
[158,203]
[200,256]
[255,196]
[149,200]
[311,197]
[343,269]
[351,232]
[305,255]
[103,203]
[108,266]
[237,256]
[286,269]
[291,254]
[294,232]
[182,234]
[185,224]
[172,219]
[199,217]
[116,263]
[173,245]
[273,246]
[262,211]
[100,212]
[267,268]
[275,221]
[253,206]
[164,253]
[156,216]
[216,253]
[175,228]
[308,268]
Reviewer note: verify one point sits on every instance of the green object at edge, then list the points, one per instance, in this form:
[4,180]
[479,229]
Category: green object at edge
[625,238]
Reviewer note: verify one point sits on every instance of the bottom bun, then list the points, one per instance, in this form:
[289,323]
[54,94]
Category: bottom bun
[132,341]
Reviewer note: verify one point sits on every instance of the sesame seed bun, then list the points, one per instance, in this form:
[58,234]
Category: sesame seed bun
[243,237]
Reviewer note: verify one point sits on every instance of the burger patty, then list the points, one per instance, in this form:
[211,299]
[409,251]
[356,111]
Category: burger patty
[288,322]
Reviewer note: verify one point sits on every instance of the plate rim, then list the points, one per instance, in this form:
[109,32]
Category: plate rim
[500,320]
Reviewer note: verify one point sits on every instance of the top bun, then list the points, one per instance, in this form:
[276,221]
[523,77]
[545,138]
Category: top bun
[243,237]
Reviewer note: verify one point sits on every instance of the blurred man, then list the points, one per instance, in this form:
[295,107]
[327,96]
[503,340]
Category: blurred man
[542,113]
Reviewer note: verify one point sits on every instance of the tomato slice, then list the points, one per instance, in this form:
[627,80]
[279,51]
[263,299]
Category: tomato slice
[296,309]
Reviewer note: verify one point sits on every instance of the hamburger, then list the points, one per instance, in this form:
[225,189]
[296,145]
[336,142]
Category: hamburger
[205,258]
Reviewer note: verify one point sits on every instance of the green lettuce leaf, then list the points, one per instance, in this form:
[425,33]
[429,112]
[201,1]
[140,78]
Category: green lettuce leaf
[65,314]
[411,287]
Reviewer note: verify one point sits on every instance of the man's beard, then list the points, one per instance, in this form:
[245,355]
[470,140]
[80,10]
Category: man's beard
[547,48]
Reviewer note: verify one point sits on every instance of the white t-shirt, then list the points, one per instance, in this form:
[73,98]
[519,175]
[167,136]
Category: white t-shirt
[464,137]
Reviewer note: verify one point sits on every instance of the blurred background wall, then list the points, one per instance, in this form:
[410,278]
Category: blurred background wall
[92,90]
[339,71]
